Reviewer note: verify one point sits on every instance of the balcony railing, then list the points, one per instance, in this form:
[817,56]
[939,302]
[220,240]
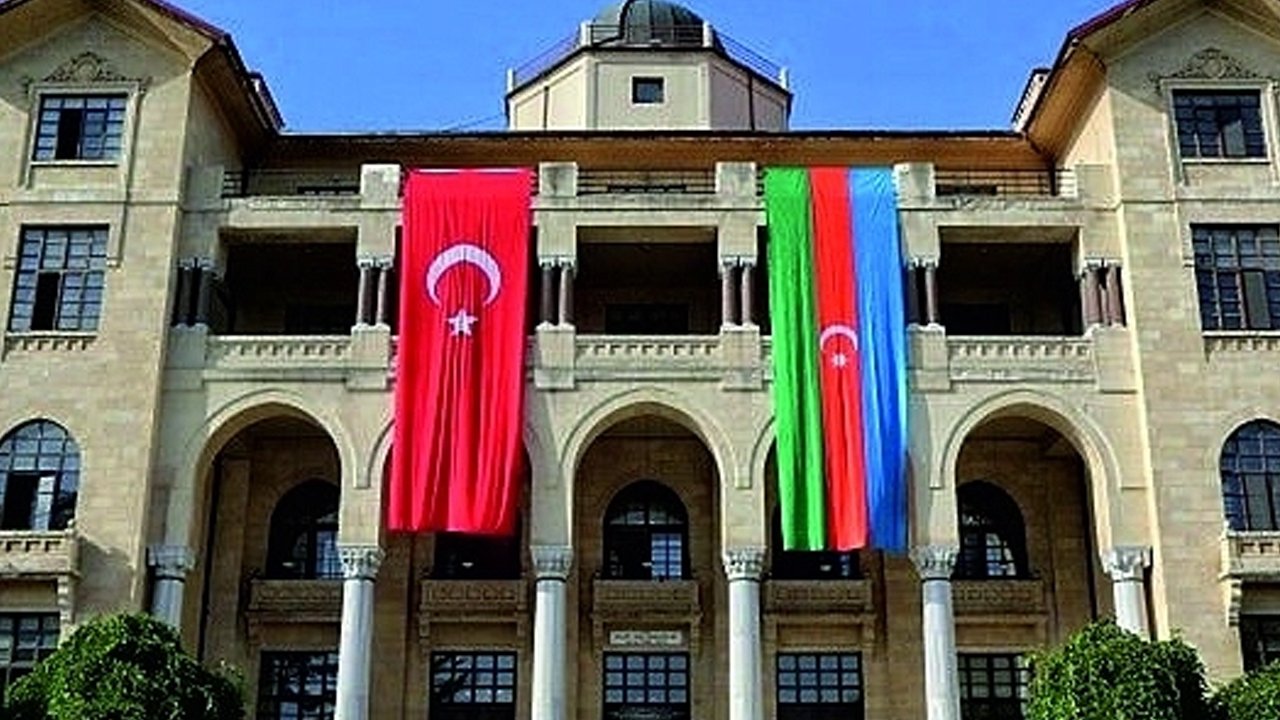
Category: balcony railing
[634,598]
[295,601]
[1020,358]
[999,597]
[291,183]
[253,353]
[39,554]
[656,182]
[462,599]
[1005,183]
[817,597]
[1251,555]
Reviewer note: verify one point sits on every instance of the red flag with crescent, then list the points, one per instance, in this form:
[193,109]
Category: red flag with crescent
[456,461]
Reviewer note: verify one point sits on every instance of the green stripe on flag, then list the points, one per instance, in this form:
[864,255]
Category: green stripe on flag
[797,394]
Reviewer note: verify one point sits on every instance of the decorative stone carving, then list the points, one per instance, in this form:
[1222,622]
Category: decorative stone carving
[39,554]
[88,67]
[744,563]
[171,562]
[66,604]
[999,597]
[1214,64]
[1127,563]
[935,562]
[844,599]
[552,562]
[360,562]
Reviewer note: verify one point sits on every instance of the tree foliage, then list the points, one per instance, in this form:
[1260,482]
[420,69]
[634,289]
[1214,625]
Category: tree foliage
[1255,696]
[1106,673]
[124,667]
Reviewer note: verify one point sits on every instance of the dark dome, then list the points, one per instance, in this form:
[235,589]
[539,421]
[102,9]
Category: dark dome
[648,22]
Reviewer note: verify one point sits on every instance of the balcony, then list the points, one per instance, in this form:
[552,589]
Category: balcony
[841,598]
[294,601]
[1251,556]
[599,357]
[291,183]
[998,598]
[39,555]
[1020,359]
[628,599]
[655,182]
[279,358]
[1020,183]
[473,601]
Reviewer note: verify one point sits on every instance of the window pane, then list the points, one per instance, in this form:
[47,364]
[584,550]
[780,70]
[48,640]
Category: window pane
[297,685]
[80,127]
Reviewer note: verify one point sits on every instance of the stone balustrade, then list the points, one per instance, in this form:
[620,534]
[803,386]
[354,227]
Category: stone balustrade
[472,599]
[999,597]
[294,601]
[284,357]
[39,555]
[1251,555]
[635,598]
[1020,359]
[1219,342]
[643,357]
[817,597]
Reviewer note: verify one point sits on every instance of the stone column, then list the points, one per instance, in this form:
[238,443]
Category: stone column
[728,294]
[566,293]
[913,292]
[171,564]
[1115,300]
[548,290]
[1090,296]
[204,276]
[362,292]
[359,568]
[931,317]
[748,290]
[182,317]
[743,567]
[551,563]
[382,308]
[934,563]
[1127,567]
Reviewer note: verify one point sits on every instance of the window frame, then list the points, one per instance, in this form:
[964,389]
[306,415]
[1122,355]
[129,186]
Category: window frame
[132,90]
[92,277]
[1011,531]
[1251,628]
[479,709]
[1261,231]
[654,494]
[647,673]
[64,477]
[326,694]
[1021,668]
[820,710]
[10,672]
[1235,504]
[284,532]
[651,81]
[1170,87]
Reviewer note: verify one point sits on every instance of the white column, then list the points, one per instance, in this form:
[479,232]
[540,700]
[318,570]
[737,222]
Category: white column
[359,568]
[934,563]
[743,567]
[550,633]
[1127,567]
[171,564]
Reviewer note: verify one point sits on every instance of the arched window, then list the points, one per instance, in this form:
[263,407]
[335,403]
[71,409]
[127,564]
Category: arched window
[304,534]
[992,536]
[39,477]
[804,565]
[459,556]
[1250,467]
[646,532]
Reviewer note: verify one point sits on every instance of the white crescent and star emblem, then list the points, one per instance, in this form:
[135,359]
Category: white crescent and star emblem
[840,360]
[459,254]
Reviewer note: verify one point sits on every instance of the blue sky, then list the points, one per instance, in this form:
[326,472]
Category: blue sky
[349,65]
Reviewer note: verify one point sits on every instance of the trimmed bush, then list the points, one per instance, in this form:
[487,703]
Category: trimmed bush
[124,667]
[1105,673]
[1255,696]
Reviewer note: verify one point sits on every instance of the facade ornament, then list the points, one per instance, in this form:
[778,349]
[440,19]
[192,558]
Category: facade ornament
[745,563]
[935,562]
[552,562]
[1210,63]
[360,562]
[87,67]
[1127,563]
[171,562]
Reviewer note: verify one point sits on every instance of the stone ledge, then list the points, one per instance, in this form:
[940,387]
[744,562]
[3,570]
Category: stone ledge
[818,597]
[36,554]
[648,598]
[294,601]
[999,597]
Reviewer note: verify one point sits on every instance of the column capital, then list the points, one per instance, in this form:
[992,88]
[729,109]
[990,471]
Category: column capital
[552,562]
[360,562]
[383,262]
[171,562]
[366,261]
[744,563]
[935,562]
[1127,562]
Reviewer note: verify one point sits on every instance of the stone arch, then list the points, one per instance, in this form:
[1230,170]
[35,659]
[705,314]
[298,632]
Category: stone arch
[1102,467]
[1230,426]
[219,428]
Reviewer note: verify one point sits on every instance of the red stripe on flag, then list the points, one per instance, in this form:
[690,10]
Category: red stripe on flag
[459,394]
[841,372]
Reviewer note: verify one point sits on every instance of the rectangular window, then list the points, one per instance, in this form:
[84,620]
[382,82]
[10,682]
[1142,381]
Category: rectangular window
[1238,276]
[1219,124]
[59,281]
[25,640]
[1259,640]
[654,686]
[648,90]
[993,686]
[819,686]
[473,685]
[80,127]
[297,685]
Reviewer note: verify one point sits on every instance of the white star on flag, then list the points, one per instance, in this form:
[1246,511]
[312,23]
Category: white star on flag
[839,360]
[461,322]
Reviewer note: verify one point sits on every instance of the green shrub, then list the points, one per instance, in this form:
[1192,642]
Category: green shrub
[1255,696]
[1105,673]
[124,667]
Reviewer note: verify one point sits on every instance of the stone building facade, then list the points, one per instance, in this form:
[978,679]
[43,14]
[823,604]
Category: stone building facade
[199,351]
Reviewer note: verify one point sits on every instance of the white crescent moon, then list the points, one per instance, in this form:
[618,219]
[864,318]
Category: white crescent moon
[833,331]
[464,253]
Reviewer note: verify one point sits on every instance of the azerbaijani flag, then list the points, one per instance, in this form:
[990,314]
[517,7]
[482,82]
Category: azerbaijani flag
[839,356]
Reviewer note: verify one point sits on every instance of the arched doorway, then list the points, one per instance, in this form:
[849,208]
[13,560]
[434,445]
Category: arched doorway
[646,511]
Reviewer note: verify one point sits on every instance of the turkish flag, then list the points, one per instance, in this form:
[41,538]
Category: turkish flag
[457,461]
